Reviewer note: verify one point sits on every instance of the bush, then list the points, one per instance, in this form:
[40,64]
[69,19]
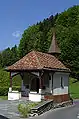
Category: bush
[5,82]
[5,79]
[25,109]
[4,90]
[18,88]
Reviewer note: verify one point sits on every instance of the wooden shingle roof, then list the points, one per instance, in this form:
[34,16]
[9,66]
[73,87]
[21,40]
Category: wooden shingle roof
[37,60]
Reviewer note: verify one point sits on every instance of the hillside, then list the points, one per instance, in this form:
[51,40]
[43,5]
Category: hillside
[39,36]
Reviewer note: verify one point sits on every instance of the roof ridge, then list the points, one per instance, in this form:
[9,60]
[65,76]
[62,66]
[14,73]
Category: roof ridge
[37,58]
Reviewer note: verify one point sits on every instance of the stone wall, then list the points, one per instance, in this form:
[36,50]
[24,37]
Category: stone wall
[42,107]
[47,105]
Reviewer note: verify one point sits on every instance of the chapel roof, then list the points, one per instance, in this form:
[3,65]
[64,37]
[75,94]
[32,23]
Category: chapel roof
[36,61]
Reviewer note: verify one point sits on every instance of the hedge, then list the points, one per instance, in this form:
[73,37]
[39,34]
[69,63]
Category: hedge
[4,90]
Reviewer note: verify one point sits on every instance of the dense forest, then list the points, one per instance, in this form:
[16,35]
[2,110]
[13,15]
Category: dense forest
[38,37]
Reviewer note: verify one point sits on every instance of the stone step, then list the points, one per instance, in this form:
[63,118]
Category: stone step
[42,107]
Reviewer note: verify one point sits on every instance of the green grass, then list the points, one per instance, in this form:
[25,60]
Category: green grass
[4,97]
[74,88]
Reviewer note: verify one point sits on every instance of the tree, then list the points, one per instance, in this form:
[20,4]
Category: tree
[29,40]
[6,57]
[1,63]
[14,52]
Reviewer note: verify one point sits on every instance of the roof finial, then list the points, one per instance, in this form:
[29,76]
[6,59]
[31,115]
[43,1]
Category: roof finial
[54,49]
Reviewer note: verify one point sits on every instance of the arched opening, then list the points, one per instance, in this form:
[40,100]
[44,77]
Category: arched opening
[34,86]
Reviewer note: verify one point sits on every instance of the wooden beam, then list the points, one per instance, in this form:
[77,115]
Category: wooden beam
[10,80]
[40,83]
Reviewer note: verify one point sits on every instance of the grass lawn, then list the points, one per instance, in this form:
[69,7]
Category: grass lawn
[4,97]
[74,88]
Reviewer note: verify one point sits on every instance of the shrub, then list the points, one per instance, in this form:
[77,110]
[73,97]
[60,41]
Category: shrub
[25,109]
[5,82]
[4,90]
[18,88]
[5,79]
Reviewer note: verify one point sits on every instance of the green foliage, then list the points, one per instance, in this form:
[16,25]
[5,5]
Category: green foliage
[14,54]
[4,97]
[8,56]
[38,37]
[16,88]
[4,91]
[74,88]
[35,37]
[5,82]
[29,40]
[67,29]
[16,81]
[68,18]
[1,62]
[4,78]
[24,109]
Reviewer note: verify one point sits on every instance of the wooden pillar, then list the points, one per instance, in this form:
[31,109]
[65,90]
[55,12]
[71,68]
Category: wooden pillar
[50,82]
[10,80]
[40,81]
[22,83]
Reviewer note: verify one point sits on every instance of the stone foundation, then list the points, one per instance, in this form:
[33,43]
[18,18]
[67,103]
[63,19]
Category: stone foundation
[14,95]
[47,105]
[35,97]
[58,98]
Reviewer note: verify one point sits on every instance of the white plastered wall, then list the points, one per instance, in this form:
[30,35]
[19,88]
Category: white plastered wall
[57,89]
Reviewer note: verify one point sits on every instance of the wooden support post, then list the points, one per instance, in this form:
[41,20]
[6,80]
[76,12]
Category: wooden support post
[40,82]
[10,80]
[50,82]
